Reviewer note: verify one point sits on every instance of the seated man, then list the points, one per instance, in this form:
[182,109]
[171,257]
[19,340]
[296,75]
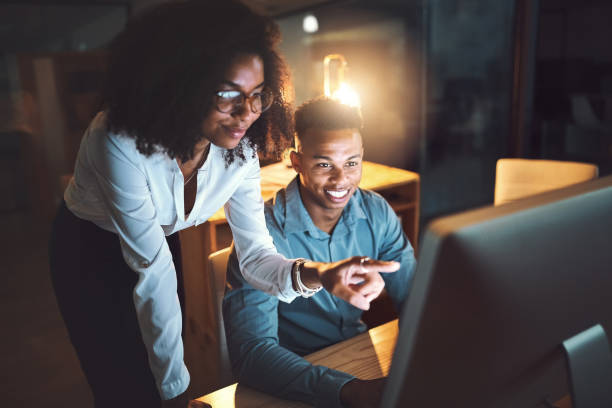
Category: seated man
[322,215]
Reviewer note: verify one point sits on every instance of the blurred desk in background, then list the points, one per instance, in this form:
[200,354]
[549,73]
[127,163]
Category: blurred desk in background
[400,187]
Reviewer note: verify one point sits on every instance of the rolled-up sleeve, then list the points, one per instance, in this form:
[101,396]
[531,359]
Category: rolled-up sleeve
[123,183]
[261,265]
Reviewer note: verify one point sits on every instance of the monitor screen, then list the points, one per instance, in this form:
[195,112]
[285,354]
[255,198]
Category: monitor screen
[496,292]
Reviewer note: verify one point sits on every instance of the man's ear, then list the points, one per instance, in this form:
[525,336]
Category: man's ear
[296,161]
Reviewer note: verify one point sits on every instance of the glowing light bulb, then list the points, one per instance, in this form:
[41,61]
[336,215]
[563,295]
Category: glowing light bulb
[310,24]
[347,95]
[343,92]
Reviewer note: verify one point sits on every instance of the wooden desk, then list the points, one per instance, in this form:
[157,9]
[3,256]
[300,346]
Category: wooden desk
[400,187]
[366,356]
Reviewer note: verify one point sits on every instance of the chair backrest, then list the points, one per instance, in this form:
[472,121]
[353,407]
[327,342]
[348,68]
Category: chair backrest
[217,266]
[519,178]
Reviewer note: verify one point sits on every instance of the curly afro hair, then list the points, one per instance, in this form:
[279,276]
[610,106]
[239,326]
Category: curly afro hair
[166,65]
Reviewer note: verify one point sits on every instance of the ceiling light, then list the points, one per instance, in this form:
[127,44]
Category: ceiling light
[310,24]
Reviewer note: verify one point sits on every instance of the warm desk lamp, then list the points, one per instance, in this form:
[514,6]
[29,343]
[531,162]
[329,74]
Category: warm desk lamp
[341,90]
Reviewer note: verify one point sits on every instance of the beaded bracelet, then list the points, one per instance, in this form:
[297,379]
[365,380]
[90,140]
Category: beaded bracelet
[302,289]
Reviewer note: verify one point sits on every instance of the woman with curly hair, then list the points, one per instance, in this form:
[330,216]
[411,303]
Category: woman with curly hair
[194,89]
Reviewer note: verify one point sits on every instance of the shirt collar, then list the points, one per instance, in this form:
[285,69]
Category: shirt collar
[297,218]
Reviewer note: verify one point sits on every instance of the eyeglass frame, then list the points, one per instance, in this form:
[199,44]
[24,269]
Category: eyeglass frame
[244,98]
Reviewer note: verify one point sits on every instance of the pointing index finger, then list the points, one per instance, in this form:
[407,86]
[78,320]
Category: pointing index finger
[373,265]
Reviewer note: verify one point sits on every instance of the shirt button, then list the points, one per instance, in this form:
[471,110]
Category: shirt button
[145,264]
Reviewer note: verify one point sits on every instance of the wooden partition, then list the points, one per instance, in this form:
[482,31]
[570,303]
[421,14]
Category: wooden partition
[60,96]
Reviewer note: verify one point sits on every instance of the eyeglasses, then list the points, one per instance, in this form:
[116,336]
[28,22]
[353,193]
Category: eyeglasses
[231,100]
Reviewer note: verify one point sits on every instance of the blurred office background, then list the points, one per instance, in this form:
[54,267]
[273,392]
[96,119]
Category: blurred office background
[447,87]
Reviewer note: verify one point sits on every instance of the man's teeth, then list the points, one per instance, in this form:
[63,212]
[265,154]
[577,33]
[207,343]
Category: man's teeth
[337,194]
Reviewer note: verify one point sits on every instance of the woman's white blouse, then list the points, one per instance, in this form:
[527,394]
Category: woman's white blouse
[141,199]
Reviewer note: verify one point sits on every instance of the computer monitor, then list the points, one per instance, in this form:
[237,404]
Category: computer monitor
[496,292]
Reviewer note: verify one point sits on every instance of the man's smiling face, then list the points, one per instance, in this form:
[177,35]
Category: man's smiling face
[329,164]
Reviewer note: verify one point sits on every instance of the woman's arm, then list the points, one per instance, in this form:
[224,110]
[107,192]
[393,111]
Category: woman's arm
[261,265]
[123,183]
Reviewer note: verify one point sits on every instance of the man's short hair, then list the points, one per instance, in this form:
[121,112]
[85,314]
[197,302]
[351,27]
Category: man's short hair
[326,114]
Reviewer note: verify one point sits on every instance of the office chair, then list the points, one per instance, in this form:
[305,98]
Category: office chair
[519,178]
[217,266]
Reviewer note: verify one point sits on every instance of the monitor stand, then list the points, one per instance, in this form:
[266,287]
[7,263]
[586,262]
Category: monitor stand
[590,368]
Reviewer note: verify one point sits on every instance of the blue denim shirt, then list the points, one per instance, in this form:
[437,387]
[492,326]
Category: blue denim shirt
[266,338]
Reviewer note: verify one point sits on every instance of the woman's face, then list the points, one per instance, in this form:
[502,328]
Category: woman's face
[246,75]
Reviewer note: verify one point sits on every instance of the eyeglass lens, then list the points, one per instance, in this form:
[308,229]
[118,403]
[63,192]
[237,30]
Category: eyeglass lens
[228,101]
